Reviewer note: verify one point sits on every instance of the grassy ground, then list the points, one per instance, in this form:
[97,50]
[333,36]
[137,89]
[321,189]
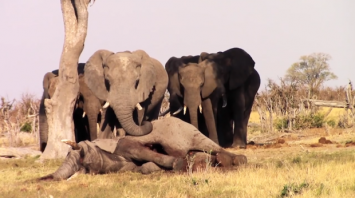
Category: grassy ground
[297,166]
[294,168]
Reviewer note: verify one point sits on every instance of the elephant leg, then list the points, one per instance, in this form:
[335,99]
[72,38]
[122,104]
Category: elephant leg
[107,124]
[240,135]
[225,125]
[80,123]
[209,116]
[148,168]
[134,150]
[43,125]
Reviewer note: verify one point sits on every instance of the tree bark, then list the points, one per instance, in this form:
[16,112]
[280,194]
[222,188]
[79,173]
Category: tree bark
[59,108]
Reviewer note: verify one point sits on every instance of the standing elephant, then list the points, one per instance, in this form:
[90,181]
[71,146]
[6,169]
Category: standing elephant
[128,80]
[85,114]
[195,87]
[235,70]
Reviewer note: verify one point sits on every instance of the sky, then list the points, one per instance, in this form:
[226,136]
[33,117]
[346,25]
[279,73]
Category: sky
[274,32]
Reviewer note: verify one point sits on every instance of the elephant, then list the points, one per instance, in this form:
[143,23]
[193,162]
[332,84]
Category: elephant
[167,147]
[86,113]
[132,84]
[194,86]
[235,70]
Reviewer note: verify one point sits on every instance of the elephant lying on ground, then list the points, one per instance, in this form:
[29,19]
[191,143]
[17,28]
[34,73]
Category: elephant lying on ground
[132,83]
[165,148]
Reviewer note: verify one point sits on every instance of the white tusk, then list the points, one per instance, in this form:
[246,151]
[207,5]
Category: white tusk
[139,107]
[98,127]
[200,107]
[73,144]
[106,105]
[178,111]
[73,176]
[84,114]
[184,109]
[224,102]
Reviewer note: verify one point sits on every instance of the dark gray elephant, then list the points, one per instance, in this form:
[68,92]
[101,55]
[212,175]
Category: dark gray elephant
[165,148]
[86,113]
[235,70]
[132,83]
[196,88]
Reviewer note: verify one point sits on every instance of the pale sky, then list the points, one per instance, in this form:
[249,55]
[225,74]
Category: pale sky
[274,32]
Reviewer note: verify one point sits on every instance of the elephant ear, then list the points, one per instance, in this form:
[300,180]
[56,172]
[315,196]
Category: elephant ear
[210,83]
[172,68]
[241,66]
[94,73]
[147,77]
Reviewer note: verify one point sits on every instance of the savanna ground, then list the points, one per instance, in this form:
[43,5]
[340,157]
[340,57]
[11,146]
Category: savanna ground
[296,164]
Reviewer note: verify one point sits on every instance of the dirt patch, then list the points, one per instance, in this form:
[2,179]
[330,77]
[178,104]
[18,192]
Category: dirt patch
[270,145]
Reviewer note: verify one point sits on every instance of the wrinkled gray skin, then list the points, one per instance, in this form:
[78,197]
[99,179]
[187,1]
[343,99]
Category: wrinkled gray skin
[126,79]
[193,85]
[85,127]
[235,70]
[134,153]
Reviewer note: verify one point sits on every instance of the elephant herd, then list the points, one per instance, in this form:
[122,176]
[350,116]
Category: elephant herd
[124,91]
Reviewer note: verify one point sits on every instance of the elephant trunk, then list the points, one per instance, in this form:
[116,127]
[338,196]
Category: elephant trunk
[92,119]
[193,116]
[43,124]
[70,166]
[192,100]
[122,105]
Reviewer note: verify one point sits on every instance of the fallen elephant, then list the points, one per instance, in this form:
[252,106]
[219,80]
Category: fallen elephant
[165,148]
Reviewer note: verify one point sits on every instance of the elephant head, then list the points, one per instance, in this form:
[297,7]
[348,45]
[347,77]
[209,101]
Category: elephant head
[233,65]
[192,82]
[123,80]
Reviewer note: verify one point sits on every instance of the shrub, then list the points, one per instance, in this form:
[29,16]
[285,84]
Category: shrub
[302,121]
[27,127]
[281,123]
[331,123]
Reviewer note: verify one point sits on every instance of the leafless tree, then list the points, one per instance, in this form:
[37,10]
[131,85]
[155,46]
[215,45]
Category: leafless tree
[59,109]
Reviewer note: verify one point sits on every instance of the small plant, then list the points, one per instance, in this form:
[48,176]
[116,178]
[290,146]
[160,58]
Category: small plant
[292,189]
[190,157]
[296,160]
[331,123]
[27,127]
[281,123]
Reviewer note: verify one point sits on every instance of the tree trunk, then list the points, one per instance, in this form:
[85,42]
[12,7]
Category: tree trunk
[59,108]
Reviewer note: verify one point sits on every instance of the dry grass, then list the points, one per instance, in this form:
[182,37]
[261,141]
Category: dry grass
[318,173]
[335,114]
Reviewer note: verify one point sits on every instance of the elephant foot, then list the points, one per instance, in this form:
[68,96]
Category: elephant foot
[239,160]
[202,161]
[149,167]
[239,144]
[225,159]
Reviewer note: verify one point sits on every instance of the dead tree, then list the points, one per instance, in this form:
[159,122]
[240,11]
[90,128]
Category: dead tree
[59,109]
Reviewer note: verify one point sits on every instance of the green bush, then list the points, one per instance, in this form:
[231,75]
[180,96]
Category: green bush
[27,127]
[281,123]
[331,123]
[303,121]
